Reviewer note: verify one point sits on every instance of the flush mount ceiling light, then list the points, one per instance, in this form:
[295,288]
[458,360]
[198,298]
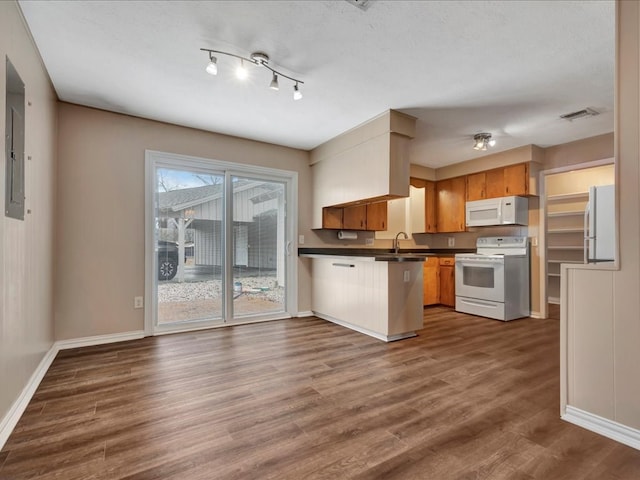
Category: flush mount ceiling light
[483,140]
[259,59]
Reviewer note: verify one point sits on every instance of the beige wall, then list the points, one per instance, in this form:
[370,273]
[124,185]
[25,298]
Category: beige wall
[581,151]
[602,308]
[26,247]
[100,224]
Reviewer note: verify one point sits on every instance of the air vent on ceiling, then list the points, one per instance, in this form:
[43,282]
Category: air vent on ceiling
[361,4]
[587,112]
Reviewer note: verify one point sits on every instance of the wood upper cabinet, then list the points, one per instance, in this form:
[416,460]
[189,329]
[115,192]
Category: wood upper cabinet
[355,218]
[447,281]
[495,183]
[377,216]
[450,204]
[370,217]
[431,281]
[499,182]
[516,179]
[332,217]
[430,207]
[476,186]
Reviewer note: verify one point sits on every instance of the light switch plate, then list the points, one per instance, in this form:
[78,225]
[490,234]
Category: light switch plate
[407,276]
[301,239]
[451,241]
[138,302]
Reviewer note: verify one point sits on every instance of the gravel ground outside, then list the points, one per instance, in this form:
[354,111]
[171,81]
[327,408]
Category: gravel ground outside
[193,300]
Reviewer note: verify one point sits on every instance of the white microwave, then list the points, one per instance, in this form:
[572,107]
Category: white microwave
[497,211]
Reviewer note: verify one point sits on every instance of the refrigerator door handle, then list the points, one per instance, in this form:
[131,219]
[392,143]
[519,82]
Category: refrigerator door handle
[585,248]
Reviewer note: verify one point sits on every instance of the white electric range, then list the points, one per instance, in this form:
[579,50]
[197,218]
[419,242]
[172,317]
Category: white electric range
[494,281]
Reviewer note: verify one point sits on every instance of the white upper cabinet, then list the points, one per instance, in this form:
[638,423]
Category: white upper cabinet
[365,164]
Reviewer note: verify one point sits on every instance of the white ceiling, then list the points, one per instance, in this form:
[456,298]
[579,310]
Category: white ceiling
[461,67]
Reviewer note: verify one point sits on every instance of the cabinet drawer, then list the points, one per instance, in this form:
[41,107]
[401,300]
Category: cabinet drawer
[447,260]
[431,261]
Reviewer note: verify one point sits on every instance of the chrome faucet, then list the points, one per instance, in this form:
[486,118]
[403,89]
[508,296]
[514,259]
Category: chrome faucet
[396,242]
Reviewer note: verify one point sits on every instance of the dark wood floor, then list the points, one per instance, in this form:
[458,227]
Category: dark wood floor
[469,398]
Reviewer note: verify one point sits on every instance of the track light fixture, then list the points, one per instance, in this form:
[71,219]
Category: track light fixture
[483,140]
[258,59]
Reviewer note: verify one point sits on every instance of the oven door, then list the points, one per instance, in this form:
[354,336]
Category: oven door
[481,277]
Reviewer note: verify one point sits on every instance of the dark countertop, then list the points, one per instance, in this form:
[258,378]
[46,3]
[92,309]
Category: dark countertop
[372,252]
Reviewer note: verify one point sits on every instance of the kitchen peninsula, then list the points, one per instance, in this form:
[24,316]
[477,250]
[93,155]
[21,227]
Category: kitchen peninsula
[373,292]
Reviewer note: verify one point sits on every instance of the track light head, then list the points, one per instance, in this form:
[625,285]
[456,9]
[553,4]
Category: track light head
[297,94]
[212,67]
[274,83]
[241,72]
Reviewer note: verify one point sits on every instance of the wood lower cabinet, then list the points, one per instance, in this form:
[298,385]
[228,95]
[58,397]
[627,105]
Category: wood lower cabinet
[438,274]
[431,281]
[447,281]
[450,204]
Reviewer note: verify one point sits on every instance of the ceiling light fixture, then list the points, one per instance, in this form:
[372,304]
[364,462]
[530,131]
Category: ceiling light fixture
[258,59]
[483,140]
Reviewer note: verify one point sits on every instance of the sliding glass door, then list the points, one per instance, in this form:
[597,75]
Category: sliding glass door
[258,246]
[218,240]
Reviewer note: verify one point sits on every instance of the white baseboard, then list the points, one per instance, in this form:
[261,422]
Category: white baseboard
[366,331]
[535,315]
[307,313]
[603,426]
[98,340]
[10,420]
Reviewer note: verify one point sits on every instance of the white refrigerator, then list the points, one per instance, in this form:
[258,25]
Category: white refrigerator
[600,225]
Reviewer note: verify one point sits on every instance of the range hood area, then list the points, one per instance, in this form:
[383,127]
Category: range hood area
[367,164]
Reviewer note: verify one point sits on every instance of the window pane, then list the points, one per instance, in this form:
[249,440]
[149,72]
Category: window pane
[189,246]
[258,246]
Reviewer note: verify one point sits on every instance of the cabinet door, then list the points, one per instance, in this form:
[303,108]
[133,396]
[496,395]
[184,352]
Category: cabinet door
[332,217]
[516,179]
[495,183]
[450,199]
[431,281]
[355,218]
[377,216]
[476,184]
[430,207]
[447,285]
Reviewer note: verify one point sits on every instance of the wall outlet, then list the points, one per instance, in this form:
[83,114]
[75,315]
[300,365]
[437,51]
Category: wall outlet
[138,302]
[451,241]
[407,276]
[534,241]
[368,242]
[301,239]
